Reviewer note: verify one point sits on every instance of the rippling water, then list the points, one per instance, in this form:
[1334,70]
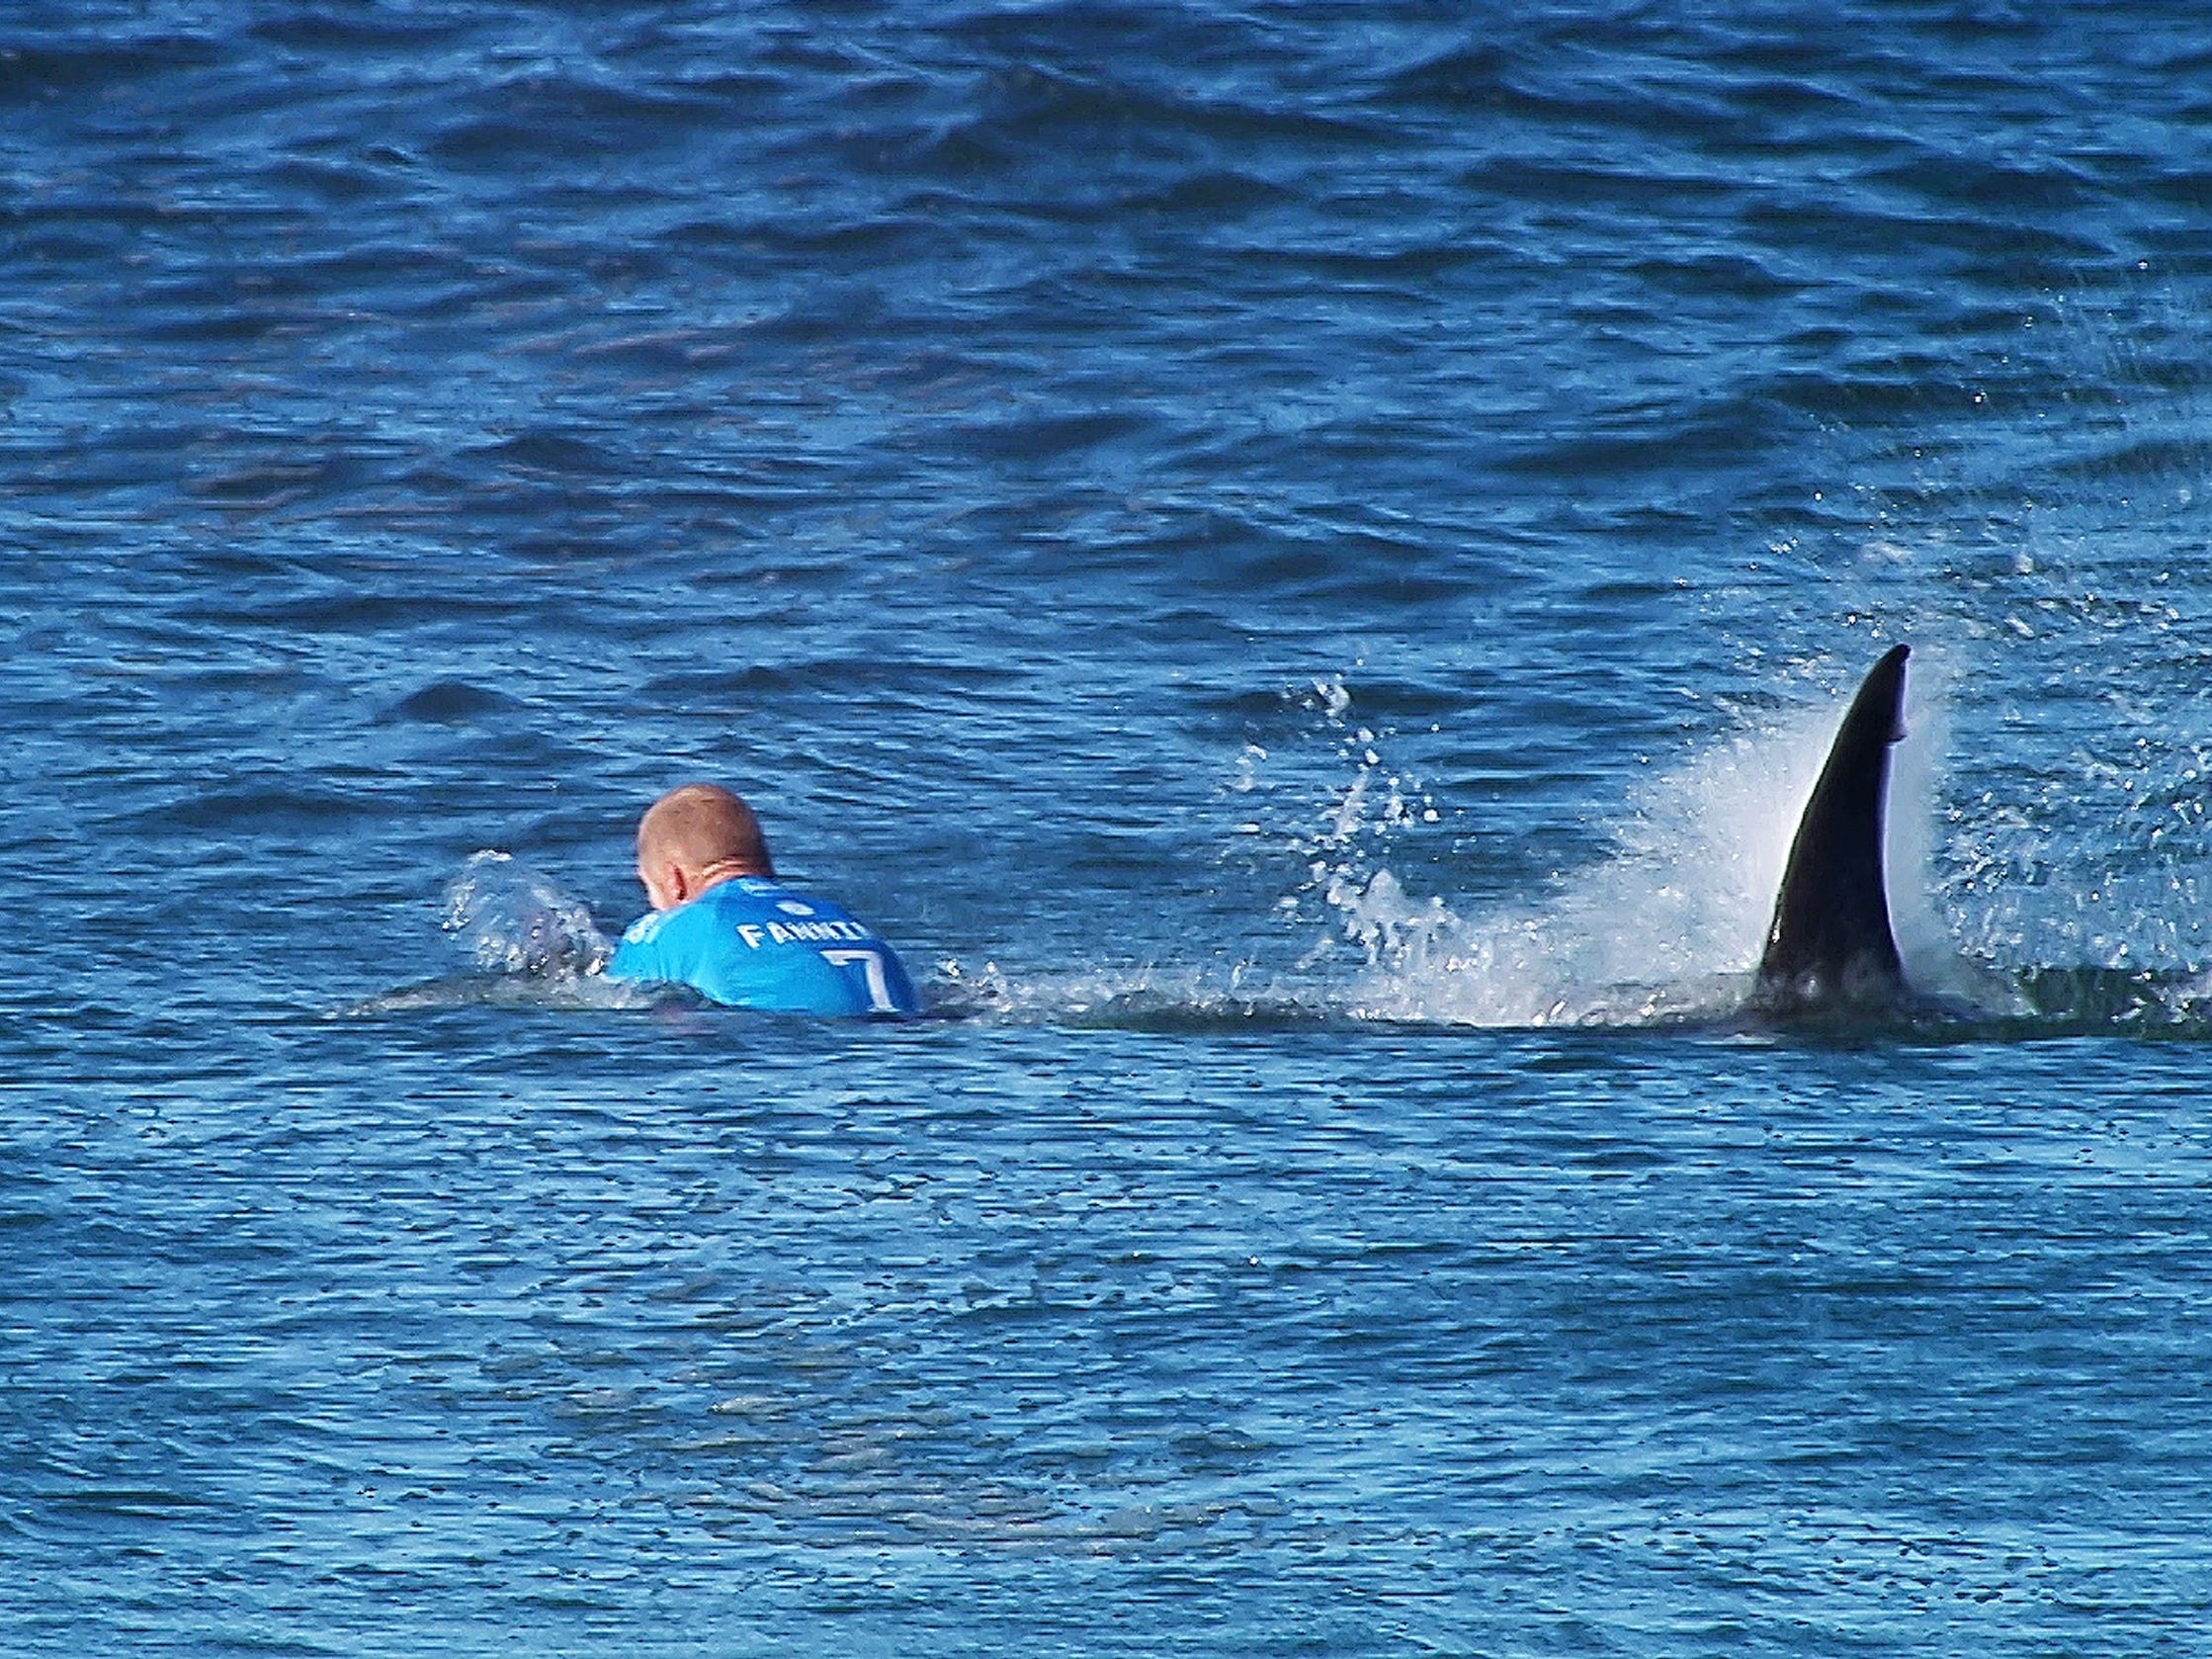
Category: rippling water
[1298,560]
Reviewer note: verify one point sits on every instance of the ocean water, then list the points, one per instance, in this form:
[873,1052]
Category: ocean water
[1300,560]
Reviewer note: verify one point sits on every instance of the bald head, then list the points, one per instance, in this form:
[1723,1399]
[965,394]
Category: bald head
[695,837]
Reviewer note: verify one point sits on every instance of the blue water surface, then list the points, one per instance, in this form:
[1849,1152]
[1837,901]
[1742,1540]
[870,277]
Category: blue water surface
[1298,560]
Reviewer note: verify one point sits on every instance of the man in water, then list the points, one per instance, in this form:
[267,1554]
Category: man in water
[722,924]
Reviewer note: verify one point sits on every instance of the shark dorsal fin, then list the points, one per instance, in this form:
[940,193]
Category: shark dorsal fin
[1830,942]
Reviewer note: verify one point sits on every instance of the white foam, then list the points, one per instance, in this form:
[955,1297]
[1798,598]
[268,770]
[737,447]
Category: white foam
[511,919]
[1671,923]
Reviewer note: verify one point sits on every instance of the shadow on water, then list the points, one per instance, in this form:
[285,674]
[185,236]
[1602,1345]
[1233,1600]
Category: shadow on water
[2051,1003]
[2043,1004]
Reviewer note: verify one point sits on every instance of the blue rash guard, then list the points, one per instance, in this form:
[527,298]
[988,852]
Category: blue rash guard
[750,942]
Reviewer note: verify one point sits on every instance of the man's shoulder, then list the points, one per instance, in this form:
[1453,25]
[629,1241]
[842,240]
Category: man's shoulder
[758,895]
[672,928]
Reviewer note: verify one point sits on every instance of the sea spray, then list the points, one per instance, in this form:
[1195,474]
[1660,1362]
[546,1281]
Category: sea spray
[1669,926]
[511,919]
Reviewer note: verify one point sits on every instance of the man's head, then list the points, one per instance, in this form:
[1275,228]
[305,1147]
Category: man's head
[695,837]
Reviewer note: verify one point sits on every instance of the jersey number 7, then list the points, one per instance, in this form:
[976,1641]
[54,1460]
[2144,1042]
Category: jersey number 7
[870,965]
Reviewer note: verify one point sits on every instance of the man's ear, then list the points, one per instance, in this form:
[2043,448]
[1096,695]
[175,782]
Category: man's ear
[678,884]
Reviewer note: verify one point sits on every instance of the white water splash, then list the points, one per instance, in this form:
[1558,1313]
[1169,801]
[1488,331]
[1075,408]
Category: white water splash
[1669,926]
[511,919]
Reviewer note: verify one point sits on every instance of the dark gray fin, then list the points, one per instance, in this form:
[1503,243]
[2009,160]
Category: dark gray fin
[1829,944]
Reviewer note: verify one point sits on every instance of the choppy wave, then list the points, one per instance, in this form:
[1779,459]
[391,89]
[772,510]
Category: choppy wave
[1285,548]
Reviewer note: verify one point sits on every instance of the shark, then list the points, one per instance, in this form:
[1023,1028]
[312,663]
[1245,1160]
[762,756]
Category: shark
[1831,947]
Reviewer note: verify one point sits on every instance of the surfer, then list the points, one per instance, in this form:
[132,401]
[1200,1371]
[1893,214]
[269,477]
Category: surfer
[722,922]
